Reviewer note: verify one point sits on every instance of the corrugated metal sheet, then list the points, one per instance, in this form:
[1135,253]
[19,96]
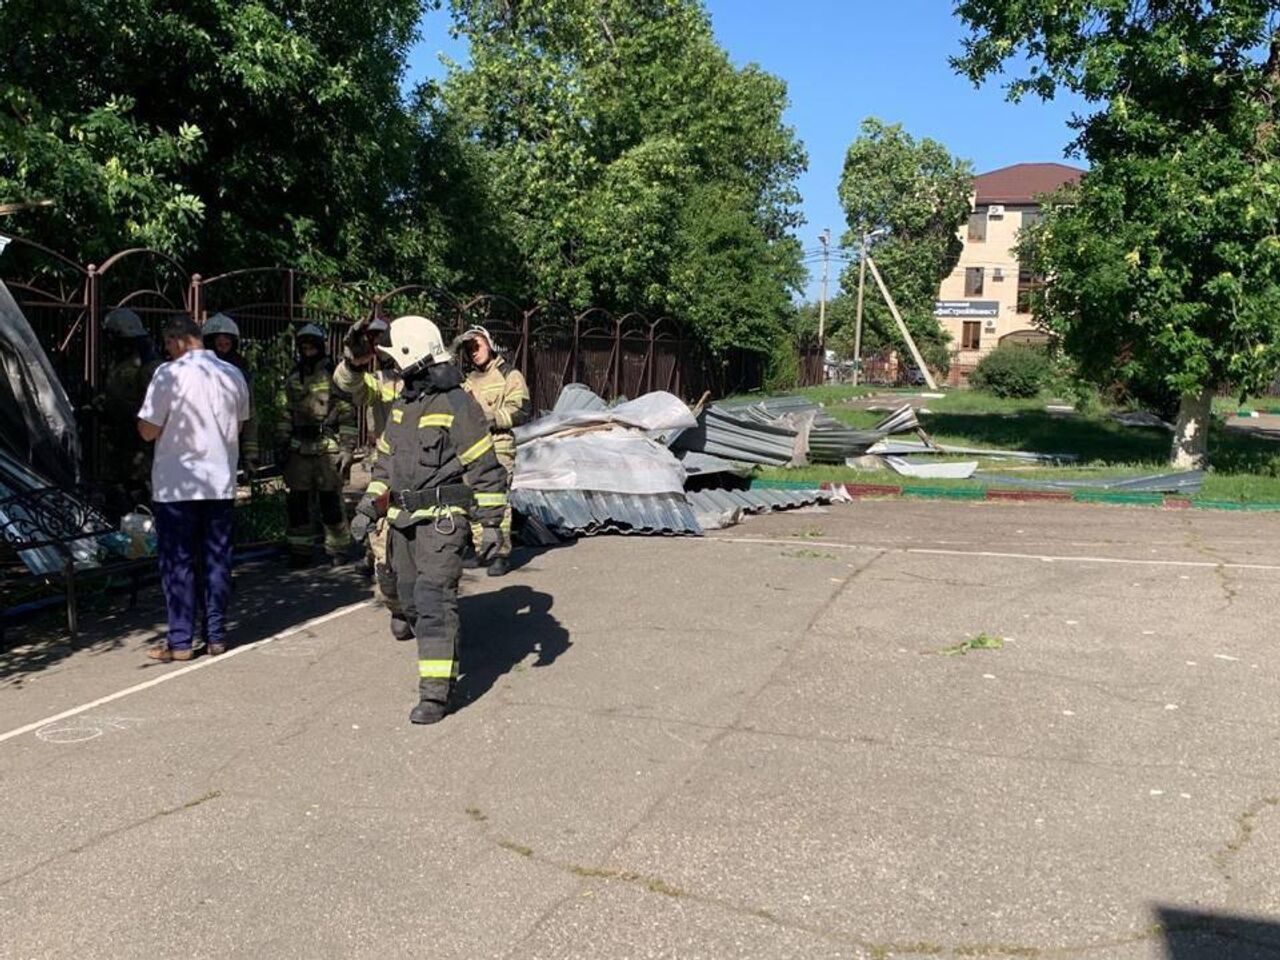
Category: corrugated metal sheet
[585,512]
[20,523]
[1187,482]
[577,396]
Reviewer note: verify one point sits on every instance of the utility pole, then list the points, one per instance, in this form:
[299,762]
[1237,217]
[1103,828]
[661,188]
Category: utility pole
[822,302]
[902,326]
[857,323]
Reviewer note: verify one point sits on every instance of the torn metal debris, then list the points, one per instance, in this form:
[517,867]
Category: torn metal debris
[591,468]
[1188,482]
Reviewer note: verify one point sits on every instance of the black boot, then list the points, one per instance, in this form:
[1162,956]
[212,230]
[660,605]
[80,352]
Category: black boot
[469,561]
[428,711]
[400,628]
[499,567]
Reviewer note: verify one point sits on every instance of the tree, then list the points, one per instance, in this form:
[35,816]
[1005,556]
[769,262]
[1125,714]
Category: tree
[229,134]
[919,194]
[636,168]
[1164,263]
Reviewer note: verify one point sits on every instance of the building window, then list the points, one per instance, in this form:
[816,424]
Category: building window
[1030,218]
[973,281]
[978,227]
[1024,299]
[971,335]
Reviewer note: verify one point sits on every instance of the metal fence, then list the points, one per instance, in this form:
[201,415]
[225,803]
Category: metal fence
[614,354]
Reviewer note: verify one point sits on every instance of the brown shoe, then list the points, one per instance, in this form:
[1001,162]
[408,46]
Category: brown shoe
[166,655]
[215,649]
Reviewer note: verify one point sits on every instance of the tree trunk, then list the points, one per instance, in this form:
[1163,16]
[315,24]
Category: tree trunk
[1191,432]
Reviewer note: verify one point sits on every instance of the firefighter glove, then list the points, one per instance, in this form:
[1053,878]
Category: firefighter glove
[361,527]
[346,457]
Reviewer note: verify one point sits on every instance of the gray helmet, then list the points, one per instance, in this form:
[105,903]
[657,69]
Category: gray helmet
[220,323]
[310,331]
[123,322]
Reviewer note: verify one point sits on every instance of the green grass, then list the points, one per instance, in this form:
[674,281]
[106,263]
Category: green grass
[1245,468]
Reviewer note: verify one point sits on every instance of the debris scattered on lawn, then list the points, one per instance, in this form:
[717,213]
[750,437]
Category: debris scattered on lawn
[1188,482]
[904,447]
[956,470]
[1141,418]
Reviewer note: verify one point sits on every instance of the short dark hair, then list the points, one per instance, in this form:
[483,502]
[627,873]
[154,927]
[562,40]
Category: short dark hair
[180,327]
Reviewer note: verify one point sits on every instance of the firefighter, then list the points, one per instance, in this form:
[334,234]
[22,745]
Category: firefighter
[503,395]
[125,459]
[373,382]
[222,336]
[437,468]
[316,437]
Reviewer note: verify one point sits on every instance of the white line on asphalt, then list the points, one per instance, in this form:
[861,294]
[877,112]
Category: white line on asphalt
[1043,558]
[182,671]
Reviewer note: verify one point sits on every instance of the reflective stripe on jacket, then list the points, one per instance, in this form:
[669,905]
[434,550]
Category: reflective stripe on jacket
[504,397]
[433,439]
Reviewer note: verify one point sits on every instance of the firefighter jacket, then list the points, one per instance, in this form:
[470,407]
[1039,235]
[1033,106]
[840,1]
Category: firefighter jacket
[249,441]
[503,395]
[316,417]
[376,390]
[436,441]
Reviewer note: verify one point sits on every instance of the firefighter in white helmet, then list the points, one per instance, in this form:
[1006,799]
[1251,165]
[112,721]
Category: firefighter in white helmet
[221,334]
[436,471]
[503,395]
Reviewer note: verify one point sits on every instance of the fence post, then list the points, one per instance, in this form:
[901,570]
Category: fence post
[195,296]
[92,330]
[617,357]
[289,296]
[651,357]
[524,343]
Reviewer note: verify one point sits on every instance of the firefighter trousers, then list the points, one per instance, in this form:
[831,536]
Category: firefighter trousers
[508,461]
[427,559]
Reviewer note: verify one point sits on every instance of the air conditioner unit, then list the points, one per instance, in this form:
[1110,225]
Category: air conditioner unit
[995,211]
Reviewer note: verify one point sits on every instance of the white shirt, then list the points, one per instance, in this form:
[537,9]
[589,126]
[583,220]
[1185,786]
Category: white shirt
[198,401]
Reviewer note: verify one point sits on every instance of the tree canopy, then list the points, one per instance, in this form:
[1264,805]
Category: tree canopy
[635,165]
[1164,263]
[919,195]
[230,133]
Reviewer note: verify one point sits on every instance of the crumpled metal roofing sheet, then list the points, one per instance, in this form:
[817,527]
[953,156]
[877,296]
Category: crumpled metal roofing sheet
[577,396]
[1187,482]
[756,500]
[585,512]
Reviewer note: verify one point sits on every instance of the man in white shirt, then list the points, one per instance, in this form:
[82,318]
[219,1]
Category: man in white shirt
[193,411]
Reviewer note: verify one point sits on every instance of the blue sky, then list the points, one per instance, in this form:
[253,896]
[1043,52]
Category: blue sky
[844,60]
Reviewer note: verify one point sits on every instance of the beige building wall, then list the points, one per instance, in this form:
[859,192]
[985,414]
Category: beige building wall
[994,256]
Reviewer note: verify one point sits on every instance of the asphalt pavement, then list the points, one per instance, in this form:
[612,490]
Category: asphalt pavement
[877,730]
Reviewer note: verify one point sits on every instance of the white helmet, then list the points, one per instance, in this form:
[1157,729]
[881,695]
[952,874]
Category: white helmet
[415,342]
[123,322]
[220,323]
[473,331]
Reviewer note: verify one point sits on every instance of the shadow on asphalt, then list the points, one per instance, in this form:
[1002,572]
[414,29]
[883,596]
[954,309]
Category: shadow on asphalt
[267,600]
[1197,935]
[499,630]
